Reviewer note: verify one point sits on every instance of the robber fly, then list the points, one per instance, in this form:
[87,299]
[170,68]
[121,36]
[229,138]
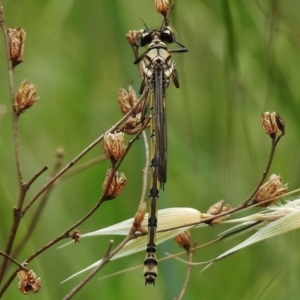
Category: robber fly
[158,71]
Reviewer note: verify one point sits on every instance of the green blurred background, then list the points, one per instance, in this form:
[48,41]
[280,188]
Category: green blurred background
[243,59]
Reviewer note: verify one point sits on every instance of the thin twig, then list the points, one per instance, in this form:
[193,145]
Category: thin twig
[209,218]
[80,155]
[11,278]
[8,282]
[195,248]
[131,235]
[187,276]
[23,188]
[12,99]
[41,205]
[265,173]
[36,176]
[103,198]
[13,260]
[167,17]
[66,233]
[104,261]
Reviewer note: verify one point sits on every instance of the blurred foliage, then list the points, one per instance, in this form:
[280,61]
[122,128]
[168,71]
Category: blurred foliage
[243,59]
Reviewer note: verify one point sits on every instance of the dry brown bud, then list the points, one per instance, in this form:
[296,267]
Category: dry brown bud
[131,38]
[16,42]
[216,209]
[139,218]
[162,6]
[29,282]
[116,186]
[133,125]
[127,100]
[184,240]
[113,145]
[123,99]
[269,123]
[76,235]
[132,96]
[26,97]
[270,189]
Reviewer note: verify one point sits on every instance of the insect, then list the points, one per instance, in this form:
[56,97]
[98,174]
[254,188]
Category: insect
[158,71]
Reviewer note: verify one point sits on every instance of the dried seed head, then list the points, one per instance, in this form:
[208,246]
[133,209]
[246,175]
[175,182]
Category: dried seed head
[216,209]
[113,145]
[76,235]
[16,42]
[133,125]
[116,186]
[132,96]
[162,6]
[123,99]
[29,282]
[139,218]
[26,97]
[272,188]
[184,240]
[269,123]
[127,100]
[130,36]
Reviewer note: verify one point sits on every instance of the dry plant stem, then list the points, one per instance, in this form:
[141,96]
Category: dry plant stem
[175,256]
[30,230]
[80,155]
[21,267]
[195,248]
[104,261]
[36,176]
[162,259]
[167,17]
[131,235]
[8,282]
[23,186]
[146,168]
[188,275]
[11,278]
[37,215]
[65,234]
[12,99]
[17,219]
[103,198]
[239,208]
[265,173]
[210,243]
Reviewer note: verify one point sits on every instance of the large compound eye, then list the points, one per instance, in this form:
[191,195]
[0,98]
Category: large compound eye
[168,35]
[143,37]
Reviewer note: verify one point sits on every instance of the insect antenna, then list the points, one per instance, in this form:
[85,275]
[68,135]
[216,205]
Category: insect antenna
[145,24]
